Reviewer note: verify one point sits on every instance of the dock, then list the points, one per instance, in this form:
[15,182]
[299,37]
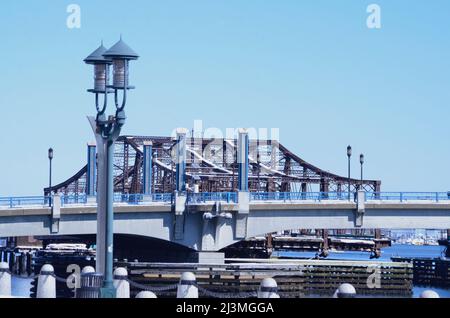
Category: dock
[296,279]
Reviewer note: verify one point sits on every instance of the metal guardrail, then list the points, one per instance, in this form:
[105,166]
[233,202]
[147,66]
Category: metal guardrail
[13,202]
[408,196]
[203,197]
[232,197]
[140,198]
[299,196]
[369,196]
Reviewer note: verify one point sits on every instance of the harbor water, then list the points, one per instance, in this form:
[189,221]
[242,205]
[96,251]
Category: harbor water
[21,287]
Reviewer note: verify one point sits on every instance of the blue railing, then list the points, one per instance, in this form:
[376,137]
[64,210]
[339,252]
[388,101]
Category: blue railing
[203,197]
[298,196]
[408,196]
[231,197]
[140,198]
[12,202]
[73,199]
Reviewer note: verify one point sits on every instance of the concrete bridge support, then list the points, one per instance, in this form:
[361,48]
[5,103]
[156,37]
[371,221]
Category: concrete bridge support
[91,176]
[180,192]
[243,194]
[147,170]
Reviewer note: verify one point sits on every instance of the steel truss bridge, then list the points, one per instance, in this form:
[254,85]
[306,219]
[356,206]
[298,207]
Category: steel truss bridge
[211,166]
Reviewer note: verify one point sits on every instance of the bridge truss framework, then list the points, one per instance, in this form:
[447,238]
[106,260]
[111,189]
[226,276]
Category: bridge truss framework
[211,166]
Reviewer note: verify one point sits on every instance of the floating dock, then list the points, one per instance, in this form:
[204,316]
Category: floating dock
[429,271]
[299,278]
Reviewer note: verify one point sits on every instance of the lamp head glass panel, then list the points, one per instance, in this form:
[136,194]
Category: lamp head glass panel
[120,73]
[361,159]
[100,78]
[50,153]
[101,69]
[349,151]
[120,53]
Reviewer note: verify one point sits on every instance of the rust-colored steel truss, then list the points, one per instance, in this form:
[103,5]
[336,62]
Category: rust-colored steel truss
[211,164]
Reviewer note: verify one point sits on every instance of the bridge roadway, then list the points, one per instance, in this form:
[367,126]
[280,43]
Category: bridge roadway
[209,223]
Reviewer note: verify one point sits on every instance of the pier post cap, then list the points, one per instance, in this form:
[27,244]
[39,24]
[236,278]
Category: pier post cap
[345,291]
[4,265]
[120,271]
[146,294]
[181,131]
[429,294]
[269,283]
[47,268]
[148,143]
[187,276]
[88,270]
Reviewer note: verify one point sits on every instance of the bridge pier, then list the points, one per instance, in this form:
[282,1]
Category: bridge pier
[208,257]
[147,171]
[243,194]
[56,214]
[179,209]
[361,208]
[91,172]
[180,191]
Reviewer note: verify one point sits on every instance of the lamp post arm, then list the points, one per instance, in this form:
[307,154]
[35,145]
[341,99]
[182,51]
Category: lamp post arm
[97,106]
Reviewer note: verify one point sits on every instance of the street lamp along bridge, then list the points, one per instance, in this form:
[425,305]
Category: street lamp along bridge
[107,130]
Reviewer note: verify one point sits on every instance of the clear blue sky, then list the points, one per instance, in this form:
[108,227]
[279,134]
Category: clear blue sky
[310,68]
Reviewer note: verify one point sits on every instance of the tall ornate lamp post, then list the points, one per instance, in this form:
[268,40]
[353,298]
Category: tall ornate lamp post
[349,155]
[361,161]
[107,130]
[50,158]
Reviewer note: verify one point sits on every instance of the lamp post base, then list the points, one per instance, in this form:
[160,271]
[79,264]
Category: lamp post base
[107,292]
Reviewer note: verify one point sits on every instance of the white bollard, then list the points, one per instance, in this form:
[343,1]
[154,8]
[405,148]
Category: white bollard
[345,291]
[268,288]
[146,294]
[121,284]
[87,270]
[5,280]
[187,287]
[429,294]
[46,287]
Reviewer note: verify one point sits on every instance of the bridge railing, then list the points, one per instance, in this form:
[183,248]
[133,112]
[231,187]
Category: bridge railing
[370,196]
[231,197]
[73,199]
[298,196]
[138,198]
[14,202]
[202,197]
[408,196]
